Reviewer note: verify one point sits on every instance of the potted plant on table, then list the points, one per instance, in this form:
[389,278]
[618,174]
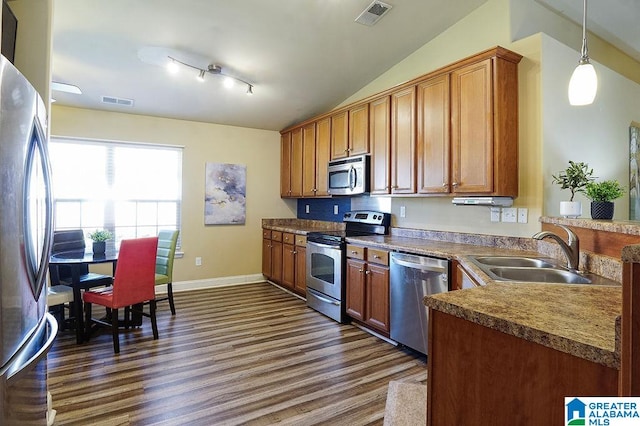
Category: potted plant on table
[99,238]
[602,195]
[574,178]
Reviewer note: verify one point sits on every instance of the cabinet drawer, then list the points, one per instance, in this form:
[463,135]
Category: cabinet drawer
[301,240]
[380,257]
[288,238]
[355,252]
[266,233]
[276,235]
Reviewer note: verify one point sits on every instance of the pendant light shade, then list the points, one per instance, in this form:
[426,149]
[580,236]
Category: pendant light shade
[584,81]
[583,85]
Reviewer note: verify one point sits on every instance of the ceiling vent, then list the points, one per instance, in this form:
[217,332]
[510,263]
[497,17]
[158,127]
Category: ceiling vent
[373,13]
[117,101]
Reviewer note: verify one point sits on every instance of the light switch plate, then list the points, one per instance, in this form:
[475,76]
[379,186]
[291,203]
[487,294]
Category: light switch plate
[495,214]
[523,215]
[509,214]
[306,208]
[403,211]
[335,209]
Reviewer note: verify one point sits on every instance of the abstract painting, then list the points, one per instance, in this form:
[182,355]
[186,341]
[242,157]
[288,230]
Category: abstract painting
[634,161]
[225,194]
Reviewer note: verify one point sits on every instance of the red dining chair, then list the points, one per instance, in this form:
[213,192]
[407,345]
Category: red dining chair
[133,284]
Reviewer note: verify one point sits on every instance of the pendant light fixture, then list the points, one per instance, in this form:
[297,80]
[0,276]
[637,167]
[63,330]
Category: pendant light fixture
[584,81]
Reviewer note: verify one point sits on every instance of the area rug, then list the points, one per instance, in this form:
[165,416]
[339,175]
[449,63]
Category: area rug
[406,404]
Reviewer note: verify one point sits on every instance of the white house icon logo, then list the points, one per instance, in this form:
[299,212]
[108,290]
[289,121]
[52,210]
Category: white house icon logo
[575,412]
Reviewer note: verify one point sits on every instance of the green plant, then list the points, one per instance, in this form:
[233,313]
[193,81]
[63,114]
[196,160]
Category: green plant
[100,235]
[607,190]
[574,178]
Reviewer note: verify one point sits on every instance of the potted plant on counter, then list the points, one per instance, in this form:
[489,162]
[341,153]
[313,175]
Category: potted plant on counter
[602,195]
[574,178]
[99,238]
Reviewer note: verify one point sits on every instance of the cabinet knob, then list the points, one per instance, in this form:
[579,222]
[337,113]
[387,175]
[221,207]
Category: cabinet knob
[444,184]
[294,252]
[354,252]
[360,270]
[367,272]
[455,184]
[375,256]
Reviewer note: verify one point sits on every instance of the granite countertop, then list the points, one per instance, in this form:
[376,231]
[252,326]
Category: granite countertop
[300,226]
[575,319]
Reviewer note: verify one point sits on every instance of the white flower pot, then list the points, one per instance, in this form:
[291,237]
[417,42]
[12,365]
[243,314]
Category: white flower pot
[571,209]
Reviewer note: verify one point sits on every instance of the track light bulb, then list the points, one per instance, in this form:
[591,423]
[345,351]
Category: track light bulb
[250,90]
[201,76]
[173,67]
[228,82]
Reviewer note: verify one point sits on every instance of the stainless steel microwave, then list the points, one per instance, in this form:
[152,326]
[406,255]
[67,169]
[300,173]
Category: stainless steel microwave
[349,176]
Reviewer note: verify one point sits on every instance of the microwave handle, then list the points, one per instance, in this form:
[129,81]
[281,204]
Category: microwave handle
[352,178]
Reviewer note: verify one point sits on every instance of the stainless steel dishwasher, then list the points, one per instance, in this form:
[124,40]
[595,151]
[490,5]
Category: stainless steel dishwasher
[412,278]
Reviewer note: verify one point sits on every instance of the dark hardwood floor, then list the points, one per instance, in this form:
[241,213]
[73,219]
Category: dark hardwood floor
[249,354]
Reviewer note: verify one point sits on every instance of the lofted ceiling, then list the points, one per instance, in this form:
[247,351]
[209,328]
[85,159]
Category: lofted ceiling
[303,57]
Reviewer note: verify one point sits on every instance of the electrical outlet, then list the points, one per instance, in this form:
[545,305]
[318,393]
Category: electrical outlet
[509,214]
[198,261]
[495,214]
[403,211]
[306,208]
[523,215]
[335,209]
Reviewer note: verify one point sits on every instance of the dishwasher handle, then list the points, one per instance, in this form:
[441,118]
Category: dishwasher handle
[419,262]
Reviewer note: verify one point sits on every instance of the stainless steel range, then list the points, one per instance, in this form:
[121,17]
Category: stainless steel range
[326,260]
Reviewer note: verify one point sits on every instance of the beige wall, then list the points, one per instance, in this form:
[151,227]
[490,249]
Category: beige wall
[226,251]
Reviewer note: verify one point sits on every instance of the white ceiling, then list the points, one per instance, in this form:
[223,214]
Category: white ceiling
[302,56]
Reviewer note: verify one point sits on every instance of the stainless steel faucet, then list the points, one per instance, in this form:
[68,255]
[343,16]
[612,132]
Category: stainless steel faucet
[571,248]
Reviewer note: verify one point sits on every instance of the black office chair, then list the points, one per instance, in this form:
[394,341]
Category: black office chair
[69,241]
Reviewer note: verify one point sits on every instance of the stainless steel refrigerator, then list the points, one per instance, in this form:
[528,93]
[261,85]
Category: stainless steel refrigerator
[26,329]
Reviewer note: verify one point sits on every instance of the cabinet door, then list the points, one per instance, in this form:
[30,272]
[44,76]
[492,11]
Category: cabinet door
[377,297]
[433,136]
[300,285]
[403,141]
[285,165]
[276,261]
[472,128]
[288,266]
[309,188]
[266,257]
[339,135]
[355,303]
[380,137]
[359,130]
[296,163]
[323,152]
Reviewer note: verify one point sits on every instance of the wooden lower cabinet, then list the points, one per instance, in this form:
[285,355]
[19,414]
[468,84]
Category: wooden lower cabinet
[367,288]
[284,260]
[481,376]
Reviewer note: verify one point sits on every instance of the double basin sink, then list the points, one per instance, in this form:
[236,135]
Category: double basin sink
[533,269]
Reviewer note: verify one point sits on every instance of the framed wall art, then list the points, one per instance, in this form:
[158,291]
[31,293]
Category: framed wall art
[225,194]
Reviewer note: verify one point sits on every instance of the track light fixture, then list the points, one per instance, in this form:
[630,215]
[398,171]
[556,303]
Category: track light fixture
[584,81]
[229,80]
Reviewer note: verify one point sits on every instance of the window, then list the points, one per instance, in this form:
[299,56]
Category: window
[133,190]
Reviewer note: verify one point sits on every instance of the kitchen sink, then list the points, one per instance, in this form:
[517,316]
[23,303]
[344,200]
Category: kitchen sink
[538,274]
[534,270]
[515,261]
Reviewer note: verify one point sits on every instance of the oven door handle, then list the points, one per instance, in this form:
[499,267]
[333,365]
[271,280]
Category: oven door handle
[324,245]
[322,299]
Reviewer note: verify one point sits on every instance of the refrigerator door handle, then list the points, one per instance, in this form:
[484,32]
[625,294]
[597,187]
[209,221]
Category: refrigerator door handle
[37,267]
[33,351]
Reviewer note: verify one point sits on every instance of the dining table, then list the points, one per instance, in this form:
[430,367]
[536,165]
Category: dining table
[75,259]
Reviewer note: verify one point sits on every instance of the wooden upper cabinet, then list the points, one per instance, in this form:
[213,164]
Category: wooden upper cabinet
[285,164]
[296,163]
[309,164]
[484,127]
[433,144]
[403,141]
[358,130]
[380,144]
[323,152]
[340,135]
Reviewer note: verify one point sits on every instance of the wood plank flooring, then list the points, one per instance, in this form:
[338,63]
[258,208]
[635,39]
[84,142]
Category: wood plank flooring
[249,354]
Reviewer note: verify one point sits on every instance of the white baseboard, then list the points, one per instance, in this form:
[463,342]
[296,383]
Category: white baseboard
[179,286]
